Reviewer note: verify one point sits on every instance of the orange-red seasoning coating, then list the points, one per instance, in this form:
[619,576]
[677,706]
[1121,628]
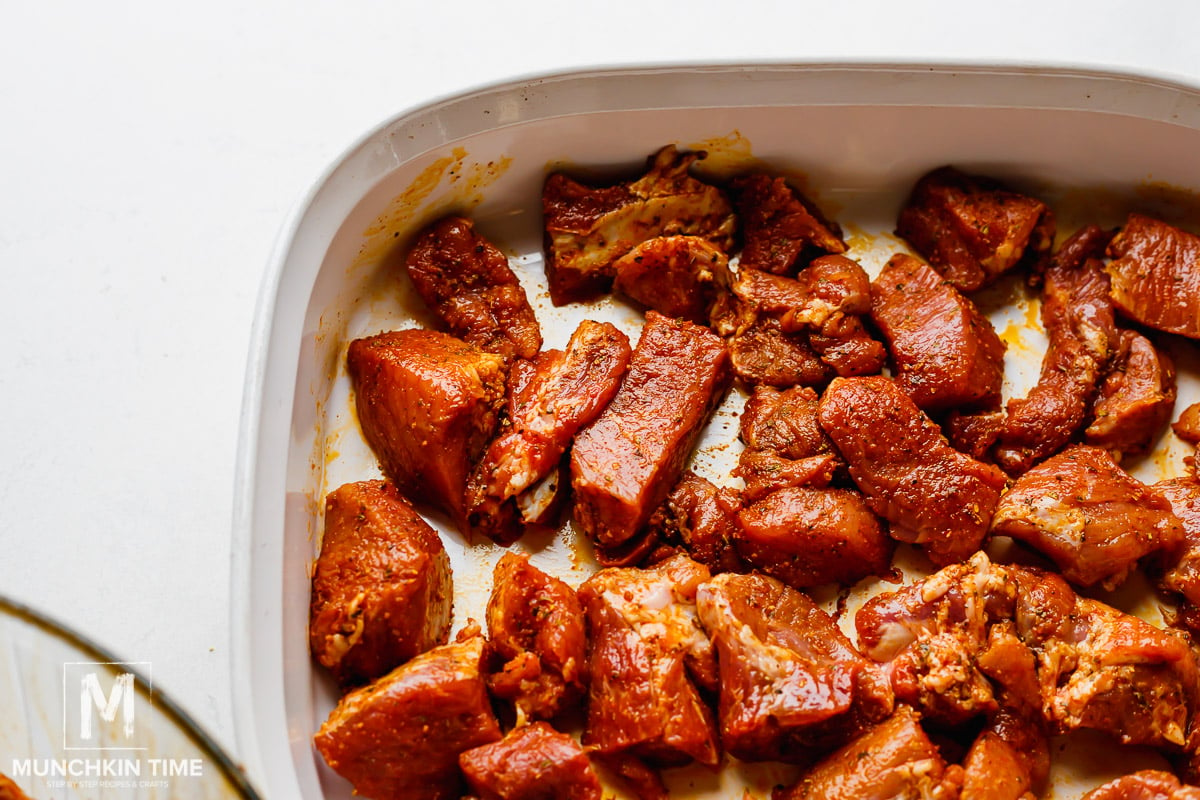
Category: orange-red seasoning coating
[428,404]
[381,588]
[931,493]
[534,762]
[1156,275]
[466,280]
[538,636]
[946,354]
[624,464]
[400,737]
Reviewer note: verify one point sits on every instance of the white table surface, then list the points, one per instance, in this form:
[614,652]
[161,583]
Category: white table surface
[150,151]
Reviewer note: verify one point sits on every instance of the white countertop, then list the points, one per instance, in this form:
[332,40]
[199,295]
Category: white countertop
[149,155]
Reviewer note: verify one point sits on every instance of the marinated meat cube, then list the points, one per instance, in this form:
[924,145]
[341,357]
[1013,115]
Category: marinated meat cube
[1155,272]
[702,518]
[779,224]
[534,762]
[1015,641]
[381,587]
[765,471]
[1125,677]
[934,634]
[930,493]
[994,770]
[785,445]
[10,790]
[1146,784]
[1077,316]
[537,640]
[399,738]
[1089,516]
[945,353]
[792,684]
[678,276]
[1135,400]
[818,313]
[763,355]
[646,647]
[784,422]
[549,400]
[427,404]
[809,537]
[588,229]
[625,462]
[467,282]
[974,433]
[1183,573]
[971,228]
[894,759]
[839,295]
[1187,427]
[762,350]
[642,548]
[643,780]
[1018,722]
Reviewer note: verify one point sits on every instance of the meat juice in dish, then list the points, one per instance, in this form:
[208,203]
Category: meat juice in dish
[876,457]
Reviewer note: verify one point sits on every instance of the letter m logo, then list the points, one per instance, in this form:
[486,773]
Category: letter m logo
[91,697]
[101,704]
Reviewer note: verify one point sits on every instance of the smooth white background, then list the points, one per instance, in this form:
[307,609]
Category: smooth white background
[150,151]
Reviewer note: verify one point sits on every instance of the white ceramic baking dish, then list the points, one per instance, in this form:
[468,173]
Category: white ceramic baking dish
[857,135]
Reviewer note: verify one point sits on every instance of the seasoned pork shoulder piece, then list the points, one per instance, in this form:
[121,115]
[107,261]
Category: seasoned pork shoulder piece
[987,638]
[839,296]
[646,649]
[1135,400]
[625,462]
[589,228]
[381,587]
[1146,784]
[930,493]
[894,759]
[678,276]
[537,640]
[700,517]
[1183,573]
[427,404]
[809,537]
[762,350]
[467,282]
[792,684]
[1155,272]
[533,762]
[399,738]
[1123,676]
[784,443]
[974,433]
[1088,516]
[799,331]
[994,770]
[971,228]
[643,781]
[944,352]
[1187,427]
[931,636]
[10,790]
[1077,316]
[779,224]
[549,400]
[1102,669]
